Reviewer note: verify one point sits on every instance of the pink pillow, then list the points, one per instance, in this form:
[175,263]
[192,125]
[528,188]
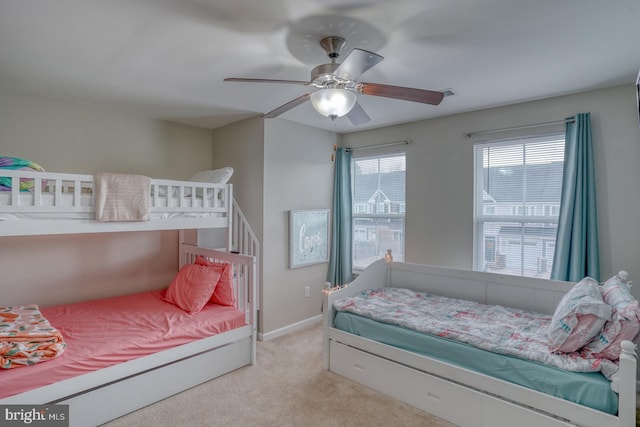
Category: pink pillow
[586,327]
[624,323]
[192,287]
[223,294]
[579,317]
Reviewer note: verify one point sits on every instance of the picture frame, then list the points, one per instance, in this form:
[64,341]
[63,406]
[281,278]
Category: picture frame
[308,237]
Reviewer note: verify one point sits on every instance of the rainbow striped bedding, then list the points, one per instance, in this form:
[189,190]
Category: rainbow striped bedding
[26,337]
[16,163]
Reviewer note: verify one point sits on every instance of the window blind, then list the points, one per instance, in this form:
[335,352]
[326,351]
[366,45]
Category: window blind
[378,197]
[517,187]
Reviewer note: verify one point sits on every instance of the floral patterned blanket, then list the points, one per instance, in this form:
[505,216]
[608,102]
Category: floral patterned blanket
[26,337]
[494,328]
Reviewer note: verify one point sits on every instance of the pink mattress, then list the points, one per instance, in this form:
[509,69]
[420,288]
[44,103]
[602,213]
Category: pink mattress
[105,332]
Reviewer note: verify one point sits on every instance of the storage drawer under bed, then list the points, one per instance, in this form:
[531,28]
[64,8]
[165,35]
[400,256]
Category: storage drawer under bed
[453,402]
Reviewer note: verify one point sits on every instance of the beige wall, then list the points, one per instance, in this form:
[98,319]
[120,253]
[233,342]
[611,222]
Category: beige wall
[298,175]
[77,138]
[56,269]
[67,137]
[241,146]
[279,166]
[439,214]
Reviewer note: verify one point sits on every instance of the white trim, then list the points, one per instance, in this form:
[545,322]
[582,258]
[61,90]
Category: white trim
[386,144]
[535,125]
[294,327]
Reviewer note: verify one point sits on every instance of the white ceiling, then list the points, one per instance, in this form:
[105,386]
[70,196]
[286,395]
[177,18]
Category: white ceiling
[167,58]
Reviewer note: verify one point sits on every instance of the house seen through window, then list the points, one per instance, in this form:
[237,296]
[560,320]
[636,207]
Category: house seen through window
[517,186]
[378,208]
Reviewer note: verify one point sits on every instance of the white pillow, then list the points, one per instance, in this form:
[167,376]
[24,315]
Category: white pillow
[215,176]
[579,317]
[625,318]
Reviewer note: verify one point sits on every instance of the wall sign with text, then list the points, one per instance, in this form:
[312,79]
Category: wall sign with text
[308,237]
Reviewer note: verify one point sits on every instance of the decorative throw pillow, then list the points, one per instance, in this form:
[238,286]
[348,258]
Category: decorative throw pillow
[579,317]
[192,287]
[223,294]
[625,318]
[215,176]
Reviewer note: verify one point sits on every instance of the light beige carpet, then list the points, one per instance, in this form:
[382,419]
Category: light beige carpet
[286,387]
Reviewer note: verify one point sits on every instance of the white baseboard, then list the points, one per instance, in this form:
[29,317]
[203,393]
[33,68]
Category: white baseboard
[289,328]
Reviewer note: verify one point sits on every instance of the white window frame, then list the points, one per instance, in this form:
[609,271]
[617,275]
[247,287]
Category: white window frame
[366,215]
[481,218]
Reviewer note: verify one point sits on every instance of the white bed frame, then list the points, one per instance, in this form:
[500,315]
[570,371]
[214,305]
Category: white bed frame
[461,396]
[70,208]
[65,205]
[97,397]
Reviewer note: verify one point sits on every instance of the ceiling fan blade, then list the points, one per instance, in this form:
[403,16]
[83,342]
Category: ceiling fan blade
[286,107]
[399,92]
[243,80]
[357,115]
[356,63]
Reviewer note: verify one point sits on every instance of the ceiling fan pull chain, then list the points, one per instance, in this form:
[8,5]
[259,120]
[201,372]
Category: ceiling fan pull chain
[335,140]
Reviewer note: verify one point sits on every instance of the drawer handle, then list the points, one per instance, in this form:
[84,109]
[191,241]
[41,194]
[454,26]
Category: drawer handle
[358,368]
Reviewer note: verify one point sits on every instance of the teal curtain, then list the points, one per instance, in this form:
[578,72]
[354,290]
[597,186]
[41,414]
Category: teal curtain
[576,253]
[340,268]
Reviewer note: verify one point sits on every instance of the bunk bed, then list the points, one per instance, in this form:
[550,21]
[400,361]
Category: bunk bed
[58,203]
[457,381]
[97,382]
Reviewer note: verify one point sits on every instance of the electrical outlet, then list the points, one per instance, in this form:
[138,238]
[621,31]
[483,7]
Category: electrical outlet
[307,291]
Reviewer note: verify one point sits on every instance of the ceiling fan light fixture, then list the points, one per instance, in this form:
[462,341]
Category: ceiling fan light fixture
[333,102]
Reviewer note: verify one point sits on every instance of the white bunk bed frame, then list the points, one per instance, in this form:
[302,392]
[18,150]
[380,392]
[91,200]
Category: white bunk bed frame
[462,396]
[98,397]
[68,202]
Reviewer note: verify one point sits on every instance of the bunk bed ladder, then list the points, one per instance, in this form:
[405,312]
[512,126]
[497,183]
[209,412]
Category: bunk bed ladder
[243,238]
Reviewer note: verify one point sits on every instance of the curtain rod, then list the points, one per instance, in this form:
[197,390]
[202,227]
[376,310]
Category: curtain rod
[386,144]
[558,122]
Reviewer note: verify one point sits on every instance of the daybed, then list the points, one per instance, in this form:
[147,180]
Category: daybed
[153,363]
[459,382]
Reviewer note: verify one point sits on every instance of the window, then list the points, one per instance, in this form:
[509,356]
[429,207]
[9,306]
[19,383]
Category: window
[378,208]
[517,186]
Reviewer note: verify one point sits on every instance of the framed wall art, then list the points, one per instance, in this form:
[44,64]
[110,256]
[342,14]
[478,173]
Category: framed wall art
[308,237]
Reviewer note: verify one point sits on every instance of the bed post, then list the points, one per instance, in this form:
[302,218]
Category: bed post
[253,305]
[627,385]
[230,218]
[388,257]
[326,324]
[181,255]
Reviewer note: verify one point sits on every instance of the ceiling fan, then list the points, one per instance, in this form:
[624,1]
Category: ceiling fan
[338,85]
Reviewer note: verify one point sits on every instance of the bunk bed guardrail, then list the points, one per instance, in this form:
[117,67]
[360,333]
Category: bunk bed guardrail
[69,199]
